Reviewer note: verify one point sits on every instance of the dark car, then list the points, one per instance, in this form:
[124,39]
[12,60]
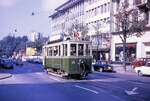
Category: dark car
[139,62]
[7,63]
[102,66]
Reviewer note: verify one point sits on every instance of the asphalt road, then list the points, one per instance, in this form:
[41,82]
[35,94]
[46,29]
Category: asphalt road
[31,83]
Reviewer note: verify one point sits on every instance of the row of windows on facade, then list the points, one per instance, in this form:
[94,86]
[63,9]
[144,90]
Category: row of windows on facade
[98,10]
[99,21]
[62,26]
[133,2]
[92,1]
[78,9]
[57,24]
[69,17]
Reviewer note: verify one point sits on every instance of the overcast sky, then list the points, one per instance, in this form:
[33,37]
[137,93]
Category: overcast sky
[17,15]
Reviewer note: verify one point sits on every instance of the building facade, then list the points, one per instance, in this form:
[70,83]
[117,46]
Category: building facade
[66,14]
[88,12]
[97,15]
[36,36]
[137,47]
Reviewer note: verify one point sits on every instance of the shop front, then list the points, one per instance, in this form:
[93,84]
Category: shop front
[130,52]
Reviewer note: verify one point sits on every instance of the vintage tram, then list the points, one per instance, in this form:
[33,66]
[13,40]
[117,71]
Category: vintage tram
[70,57]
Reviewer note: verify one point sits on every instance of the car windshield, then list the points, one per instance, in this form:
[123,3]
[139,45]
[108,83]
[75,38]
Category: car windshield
[103,62]
[7,60]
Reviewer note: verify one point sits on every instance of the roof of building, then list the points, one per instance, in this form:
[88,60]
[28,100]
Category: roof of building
[65,6]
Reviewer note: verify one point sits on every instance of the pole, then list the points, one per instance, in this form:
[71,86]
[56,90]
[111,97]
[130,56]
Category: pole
[110,30]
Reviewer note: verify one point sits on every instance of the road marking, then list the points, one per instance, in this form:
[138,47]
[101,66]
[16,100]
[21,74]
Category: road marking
[93,91]
[132,92]
[38,73]
[54,79]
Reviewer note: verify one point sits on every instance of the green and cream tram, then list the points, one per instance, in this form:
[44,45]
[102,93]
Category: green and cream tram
[68,57]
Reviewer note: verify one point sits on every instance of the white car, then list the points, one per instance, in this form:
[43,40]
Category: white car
[143,70]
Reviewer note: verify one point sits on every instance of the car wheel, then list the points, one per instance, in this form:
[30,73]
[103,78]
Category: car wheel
[92,68]
[140,73]
[100,69]
[132,66]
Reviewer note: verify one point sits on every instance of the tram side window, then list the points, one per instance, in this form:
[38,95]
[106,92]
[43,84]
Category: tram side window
[80,50]
[50,51]
[73,50]
[87,49]
[56,51]
[65,50]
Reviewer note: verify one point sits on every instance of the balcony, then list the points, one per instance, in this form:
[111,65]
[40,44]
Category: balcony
[143,5]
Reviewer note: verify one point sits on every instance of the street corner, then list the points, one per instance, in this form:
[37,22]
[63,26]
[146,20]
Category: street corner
[5,75]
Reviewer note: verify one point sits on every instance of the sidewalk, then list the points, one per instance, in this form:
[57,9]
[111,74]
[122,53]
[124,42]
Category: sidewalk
[119,69]
[4,75]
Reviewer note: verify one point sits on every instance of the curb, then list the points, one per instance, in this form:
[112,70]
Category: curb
[126,73]
[5,75]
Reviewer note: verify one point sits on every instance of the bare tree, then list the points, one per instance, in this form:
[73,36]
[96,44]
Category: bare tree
[129,23]
[78,27]
[100,36]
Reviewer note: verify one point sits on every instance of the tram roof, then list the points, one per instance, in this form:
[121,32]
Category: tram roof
[66,42]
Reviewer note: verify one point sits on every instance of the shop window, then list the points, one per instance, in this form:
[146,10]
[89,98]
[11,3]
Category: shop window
[130,52]
[148,53]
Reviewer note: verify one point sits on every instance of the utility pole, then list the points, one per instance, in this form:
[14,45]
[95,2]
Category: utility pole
[110,30]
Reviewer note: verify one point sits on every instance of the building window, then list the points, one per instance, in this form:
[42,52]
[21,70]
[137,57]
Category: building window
[147,16]
[118,4]
[105,8]
[101,9]
[108,7]
[96,11]
[130,52]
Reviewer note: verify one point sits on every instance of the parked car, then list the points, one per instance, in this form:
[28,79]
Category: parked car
[19,61]
[40,61]
[139,62]
[7,63]
[102,66]
[36,60]
[143,70]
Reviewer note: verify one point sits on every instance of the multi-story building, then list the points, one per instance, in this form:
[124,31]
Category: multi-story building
[66,14]
[36,36]
[98,14]
[89,12]
[137,47]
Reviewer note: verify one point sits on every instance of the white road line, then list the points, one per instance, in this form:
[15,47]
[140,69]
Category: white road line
[93,91]
[38,73]
[54,79]
[132,92]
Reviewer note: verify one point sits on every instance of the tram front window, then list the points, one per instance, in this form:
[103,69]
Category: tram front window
[80,50]
[73,50]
